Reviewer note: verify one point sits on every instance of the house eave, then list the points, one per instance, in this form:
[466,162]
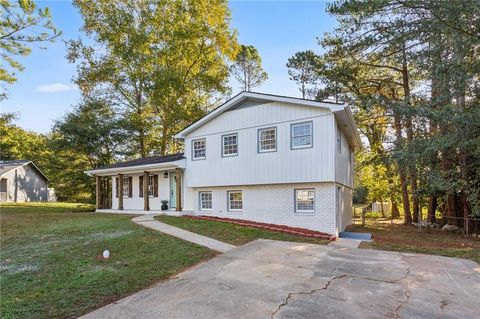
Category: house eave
[347,123]
[137,168]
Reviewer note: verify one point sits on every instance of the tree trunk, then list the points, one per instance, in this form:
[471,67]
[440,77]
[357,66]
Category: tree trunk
[401,172]
[409,128]
[395,211]
[139,124]
[432,208]
[449,213]
[383,211]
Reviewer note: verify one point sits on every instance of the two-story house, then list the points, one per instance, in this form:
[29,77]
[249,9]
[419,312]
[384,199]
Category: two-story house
[258,157]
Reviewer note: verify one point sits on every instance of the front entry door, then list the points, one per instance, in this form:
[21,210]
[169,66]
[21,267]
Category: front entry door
[173,190]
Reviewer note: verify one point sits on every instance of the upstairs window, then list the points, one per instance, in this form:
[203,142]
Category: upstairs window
[230,145]
[301,135]
[267,140]
[199,149]
[339,139]
[305,200]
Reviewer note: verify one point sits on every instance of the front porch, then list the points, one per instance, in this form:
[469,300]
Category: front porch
[147,185]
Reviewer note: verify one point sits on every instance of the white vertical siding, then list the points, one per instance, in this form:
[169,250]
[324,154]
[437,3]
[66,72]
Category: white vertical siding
[250,167]
[343,162]
[343,207]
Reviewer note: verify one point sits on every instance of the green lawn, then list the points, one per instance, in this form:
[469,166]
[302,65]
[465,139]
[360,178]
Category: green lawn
[51,265]
[233,234]
[403,238]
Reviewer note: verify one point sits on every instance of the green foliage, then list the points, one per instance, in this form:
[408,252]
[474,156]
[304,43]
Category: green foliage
[304,68]
[17,143]
[247,68]
[161,62]
[21,23]
[412,80]
[90,136]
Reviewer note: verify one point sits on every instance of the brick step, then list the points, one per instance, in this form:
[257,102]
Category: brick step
[266,226]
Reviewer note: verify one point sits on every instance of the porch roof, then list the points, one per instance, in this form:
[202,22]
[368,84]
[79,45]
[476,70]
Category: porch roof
[142,164]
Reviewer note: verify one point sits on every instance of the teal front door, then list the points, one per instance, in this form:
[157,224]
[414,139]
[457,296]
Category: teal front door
[173,190]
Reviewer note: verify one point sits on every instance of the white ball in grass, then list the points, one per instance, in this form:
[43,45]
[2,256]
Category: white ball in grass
[106,254]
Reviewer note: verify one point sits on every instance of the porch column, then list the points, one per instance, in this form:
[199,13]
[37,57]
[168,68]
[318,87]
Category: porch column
[178,186]
[120,191]
[146,198]
[98,192]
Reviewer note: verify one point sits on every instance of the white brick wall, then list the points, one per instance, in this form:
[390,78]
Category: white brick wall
[275,204]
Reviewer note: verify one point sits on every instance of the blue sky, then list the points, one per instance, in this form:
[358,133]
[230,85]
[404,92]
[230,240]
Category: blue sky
[44,91]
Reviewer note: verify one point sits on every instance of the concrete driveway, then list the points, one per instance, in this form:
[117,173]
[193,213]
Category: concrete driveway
[273,279]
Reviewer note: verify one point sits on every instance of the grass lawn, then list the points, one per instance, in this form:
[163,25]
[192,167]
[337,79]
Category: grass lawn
[403,238]
[51,265]
[233,234]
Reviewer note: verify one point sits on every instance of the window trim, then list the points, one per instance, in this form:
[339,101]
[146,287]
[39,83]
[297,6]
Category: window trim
[200,207]
[223,145]
[228,201]
[193,149]
[292,125]
[259,150]
[295,190]
[126,188]
[153,186]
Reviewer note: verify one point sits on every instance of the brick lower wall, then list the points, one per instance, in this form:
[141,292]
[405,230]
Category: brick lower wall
[275,204]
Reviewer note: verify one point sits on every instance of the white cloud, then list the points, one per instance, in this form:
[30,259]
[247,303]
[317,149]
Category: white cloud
[54,88]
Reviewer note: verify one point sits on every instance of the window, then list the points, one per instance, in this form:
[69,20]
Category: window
[267,140]
[235,200]
[230,145]
[301,134]
[205,200]
[151,185]
[126,187]
[304,200]
[199,149]
[339,139]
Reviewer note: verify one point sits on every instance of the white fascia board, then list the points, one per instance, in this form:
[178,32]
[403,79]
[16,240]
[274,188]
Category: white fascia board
[345,117]
[255,96]
[137,169]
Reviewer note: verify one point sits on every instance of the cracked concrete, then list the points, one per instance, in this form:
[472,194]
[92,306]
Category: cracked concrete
[273,279]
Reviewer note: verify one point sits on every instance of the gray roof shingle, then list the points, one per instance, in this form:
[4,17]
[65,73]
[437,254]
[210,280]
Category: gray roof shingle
[146,161]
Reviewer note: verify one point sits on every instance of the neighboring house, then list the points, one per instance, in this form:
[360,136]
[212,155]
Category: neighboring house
[259,157]
[22,181]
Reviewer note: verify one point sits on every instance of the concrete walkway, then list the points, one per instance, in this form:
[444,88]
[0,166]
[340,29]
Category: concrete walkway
[150,222]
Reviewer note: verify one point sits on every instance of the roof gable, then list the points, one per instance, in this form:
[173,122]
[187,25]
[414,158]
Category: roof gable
[342,112]
[247,98]
[7,166]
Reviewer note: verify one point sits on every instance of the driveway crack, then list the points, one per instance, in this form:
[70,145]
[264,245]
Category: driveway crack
[329,282]
[406,294]
[304,293]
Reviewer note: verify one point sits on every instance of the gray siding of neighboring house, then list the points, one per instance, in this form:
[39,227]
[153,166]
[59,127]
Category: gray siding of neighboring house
[24,184]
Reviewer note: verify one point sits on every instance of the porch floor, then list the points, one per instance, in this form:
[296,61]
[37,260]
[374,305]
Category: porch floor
[146,212]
